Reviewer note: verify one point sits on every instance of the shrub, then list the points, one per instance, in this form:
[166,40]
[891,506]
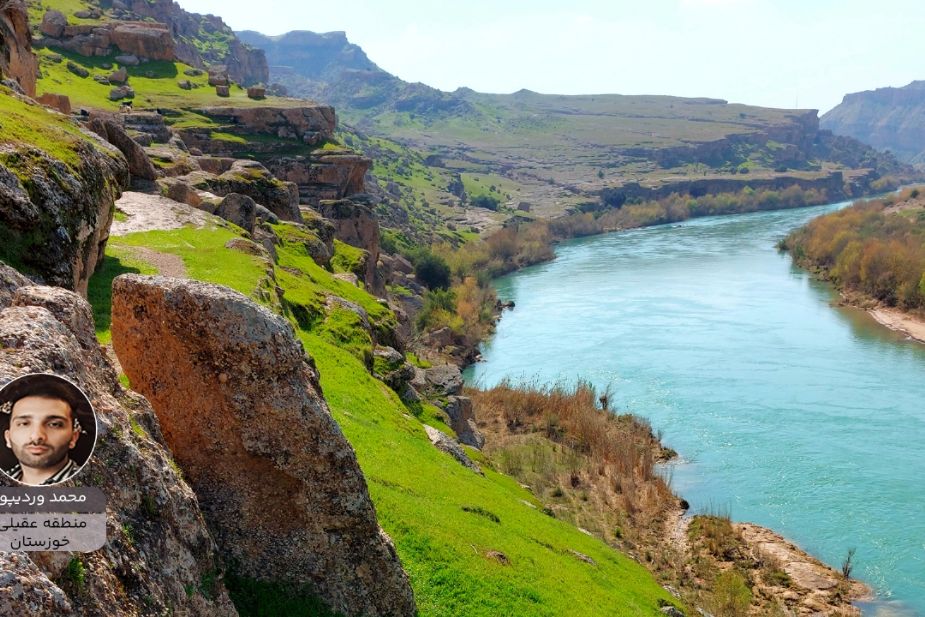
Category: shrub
[432,270]
[485,201]
[731,595]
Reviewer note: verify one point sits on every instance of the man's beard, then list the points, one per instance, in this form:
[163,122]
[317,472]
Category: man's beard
[50,458]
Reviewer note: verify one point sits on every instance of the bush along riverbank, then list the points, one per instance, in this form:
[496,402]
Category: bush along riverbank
[874,254]
[459,306]
[598,468]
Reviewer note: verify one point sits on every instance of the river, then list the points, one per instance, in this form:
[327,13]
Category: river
[786,411]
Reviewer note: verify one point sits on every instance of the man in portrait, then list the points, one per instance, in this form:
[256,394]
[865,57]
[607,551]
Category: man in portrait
[43,429]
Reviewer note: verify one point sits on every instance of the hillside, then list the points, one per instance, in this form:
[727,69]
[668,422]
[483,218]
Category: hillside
[890,119]
[535,155]
[277,315]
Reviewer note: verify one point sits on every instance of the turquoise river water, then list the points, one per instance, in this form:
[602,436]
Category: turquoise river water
[786,411]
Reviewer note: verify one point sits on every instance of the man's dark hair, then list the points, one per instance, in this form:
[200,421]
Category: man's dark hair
[47,386]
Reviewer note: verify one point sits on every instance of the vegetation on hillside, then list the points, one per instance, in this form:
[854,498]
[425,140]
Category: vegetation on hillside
[876,248]
[472,545]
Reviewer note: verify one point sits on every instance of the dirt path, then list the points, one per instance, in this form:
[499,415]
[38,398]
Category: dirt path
[146,212]
[166,264]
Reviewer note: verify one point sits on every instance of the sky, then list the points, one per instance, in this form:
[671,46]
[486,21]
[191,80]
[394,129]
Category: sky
[773,53]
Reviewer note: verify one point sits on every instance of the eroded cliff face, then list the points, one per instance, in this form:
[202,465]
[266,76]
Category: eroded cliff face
[56,203]
[886,118]
[246,65]
[241,408]
[159,557]
[17,62]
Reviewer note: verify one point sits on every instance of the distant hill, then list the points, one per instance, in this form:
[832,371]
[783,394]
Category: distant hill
[886,118]
[539,155]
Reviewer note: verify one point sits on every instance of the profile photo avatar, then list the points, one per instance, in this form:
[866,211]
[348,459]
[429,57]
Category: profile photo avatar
[49,429]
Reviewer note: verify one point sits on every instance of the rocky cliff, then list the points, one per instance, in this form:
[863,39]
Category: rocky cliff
[157,30]
[886,118]
[17,62]
[159,557]
[57,189]
[241,409]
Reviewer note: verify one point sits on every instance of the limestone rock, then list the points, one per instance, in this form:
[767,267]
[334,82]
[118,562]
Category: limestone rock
[180,191]
[462,421]
[53,23]
[26,591]
[118,77]
[122,92]
[128,60]
[16,58]
[145,40]
[445,379]
[324,175]
[254,180]
[357,225]
[240,406]
[157,545]
[59,102]
[311,124]
[255,92]
[139,165]
[78,70]
[445,443]
[238,209]
[58,228]
[222,91]
[391,368]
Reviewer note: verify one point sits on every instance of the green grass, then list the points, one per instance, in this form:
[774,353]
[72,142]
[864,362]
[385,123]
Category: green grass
[347,258]
[33,125]
[445,520]
[99,291]
[155,85]
[204,255]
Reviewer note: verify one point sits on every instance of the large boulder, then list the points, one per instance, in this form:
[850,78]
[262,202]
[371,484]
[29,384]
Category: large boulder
[238,209]
[240,406]
[462,421]
[53,23]
[144,39]
[139,164]
[55,225]
[16,58]
[159,557]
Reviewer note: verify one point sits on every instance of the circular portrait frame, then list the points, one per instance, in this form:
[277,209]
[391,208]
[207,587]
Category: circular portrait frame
[48,429]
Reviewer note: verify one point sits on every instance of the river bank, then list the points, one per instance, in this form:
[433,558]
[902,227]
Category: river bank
[578,287]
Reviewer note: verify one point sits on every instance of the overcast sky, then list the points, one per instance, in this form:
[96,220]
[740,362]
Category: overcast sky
[776,53]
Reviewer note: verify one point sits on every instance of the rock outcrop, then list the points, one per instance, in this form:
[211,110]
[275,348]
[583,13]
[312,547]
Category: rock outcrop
[245,65]
[55,225]
[241,408]
[357,225]
[324,175]
[885,118]
[110,129]
[144,39]
[17,62]
[140,39]
[307,124]
[254,180]
[159,557]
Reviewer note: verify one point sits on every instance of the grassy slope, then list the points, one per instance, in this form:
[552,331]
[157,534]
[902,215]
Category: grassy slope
[420,492]
[32,125]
